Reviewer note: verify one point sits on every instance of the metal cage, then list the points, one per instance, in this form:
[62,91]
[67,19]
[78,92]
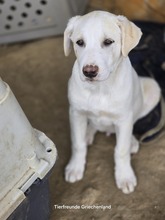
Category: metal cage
[22,20]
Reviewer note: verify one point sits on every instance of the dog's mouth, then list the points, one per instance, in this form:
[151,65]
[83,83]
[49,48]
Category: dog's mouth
[90,79]
[95,79]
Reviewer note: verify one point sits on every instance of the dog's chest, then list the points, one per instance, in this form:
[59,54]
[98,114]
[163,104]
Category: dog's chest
[101,109]
[103,106]
[102,120]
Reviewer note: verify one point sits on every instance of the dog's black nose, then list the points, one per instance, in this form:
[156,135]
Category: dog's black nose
[90,71]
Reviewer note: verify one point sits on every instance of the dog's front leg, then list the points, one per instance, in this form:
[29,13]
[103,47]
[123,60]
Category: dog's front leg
[124,174]
[75,169]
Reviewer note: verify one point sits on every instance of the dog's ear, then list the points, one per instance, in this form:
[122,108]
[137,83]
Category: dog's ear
[131,34]
[67,34]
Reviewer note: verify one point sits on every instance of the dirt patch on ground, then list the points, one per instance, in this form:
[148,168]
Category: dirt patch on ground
[37,73]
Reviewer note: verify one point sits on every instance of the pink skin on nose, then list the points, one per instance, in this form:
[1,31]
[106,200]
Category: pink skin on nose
[90,70]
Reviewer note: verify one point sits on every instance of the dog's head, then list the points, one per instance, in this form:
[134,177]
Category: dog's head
[100,39]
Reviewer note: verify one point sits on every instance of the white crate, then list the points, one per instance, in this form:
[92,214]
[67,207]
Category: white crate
[22,20]
[26,154]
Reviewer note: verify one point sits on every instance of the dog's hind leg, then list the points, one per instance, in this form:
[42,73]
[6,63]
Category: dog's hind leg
[91,131]
[134,145]
[151,94]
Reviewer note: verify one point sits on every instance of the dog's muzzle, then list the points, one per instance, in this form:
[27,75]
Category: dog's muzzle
[90,71]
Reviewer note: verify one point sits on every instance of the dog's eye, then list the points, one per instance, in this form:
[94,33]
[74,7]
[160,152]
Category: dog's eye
[108,42]
[80,43]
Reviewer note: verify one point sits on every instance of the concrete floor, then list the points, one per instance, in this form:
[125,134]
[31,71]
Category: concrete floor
[37,73]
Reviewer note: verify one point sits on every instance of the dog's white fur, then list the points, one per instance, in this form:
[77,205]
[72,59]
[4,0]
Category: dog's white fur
[113,100]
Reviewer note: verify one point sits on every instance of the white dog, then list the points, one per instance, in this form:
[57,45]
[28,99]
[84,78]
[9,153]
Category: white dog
[105,93]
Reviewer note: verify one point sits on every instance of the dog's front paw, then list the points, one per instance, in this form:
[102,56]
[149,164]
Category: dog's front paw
[125,180]
[74,171]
